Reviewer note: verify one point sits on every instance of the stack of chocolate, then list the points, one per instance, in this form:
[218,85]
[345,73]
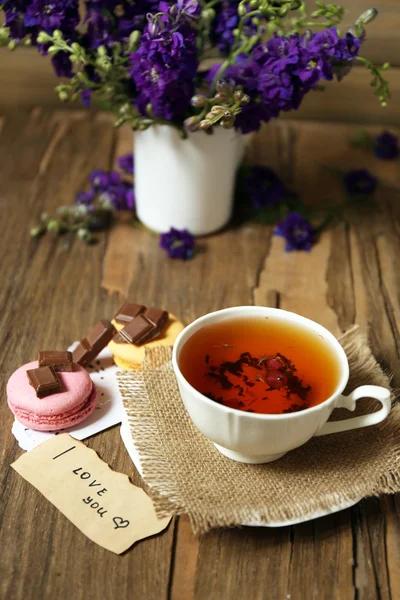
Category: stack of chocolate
[142,324]
[44,379]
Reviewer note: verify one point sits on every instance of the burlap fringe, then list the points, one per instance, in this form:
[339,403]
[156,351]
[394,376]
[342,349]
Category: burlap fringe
[186,475]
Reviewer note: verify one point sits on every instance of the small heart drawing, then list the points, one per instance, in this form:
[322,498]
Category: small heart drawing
[120,523]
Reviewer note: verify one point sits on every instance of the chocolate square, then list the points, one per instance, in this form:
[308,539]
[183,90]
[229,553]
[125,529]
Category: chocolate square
[143,328]
[128,312]
[44,380]
[81,351]
[97,339]
[157,316]
[136,329]
[60,360]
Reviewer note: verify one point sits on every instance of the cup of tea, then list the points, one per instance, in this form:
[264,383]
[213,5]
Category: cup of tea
[259,382]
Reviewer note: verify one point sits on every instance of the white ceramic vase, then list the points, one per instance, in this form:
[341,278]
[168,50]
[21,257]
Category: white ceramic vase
[186,184]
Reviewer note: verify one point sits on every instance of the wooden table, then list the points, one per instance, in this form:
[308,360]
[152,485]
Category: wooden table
[53,288]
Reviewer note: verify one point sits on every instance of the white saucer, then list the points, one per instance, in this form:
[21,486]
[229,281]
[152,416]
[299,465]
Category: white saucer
[133,453]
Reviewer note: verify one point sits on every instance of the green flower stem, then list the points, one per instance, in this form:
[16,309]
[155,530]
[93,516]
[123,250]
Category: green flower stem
[309,24]
[252,13]
[212,3]
[227,63]
[378,82]
[245,46]
[203,113]
[234,109]
[329,219]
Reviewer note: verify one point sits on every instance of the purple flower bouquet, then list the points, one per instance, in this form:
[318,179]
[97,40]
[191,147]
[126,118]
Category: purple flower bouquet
[145,61]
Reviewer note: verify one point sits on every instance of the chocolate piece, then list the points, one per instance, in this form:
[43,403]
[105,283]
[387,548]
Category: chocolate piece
[156,316]
[80,352]
[93,343]
[144,328]
[127,312]
[60,360]
[136,329]
[100,335]
[44,380]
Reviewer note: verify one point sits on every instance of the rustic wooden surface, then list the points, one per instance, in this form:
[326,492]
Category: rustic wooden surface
[51,292]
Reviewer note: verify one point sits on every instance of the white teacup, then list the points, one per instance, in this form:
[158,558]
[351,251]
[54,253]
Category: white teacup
[260,438]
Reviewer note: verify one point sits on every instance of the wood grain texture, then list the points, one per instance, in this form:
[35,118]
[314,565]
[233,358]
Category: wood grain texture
[185,561]
[51,293]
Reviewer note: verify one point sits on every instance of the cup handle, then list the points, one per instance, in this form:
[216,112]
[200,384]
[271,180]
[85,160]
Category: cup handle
[365,391]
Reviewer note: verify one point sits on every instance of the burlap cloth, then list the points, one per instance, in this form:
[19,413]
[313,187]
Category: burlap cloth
[185,474]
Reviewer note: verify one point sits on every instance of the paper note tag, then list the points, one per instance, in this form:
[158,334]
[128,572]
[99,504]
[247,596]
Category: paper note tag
[102,503]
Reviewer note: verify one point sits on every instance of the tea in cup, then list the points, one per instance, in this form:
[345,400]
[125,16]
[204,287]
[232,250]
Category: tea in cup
[261,381]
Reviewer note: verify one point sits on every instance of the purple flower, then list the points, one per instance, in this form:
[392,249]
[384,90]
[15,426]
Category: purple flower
[360,182]
[28,18]
[297,231]
[85,198]
[50,15]
[62,65]
[264,187]
[126,163]
[283,52]
[86,96]
[387,146]
[178,243]
[130,201]
[280,72]
[252,116]
[190,9]
[224,24]
[108,191]
[120,196]
[328,43]
[325,42]
[102,180]
[110,21]
[99,179]
[14,19]
[164,68]
[348,47]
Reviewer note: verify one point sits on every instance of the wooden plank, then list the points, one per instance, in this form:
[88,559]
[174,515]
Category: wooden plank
[291,557]
[374,246]
[380,308]
[121,255]
[336,287]
[390,506]
[28,79]
[119,260]
[371,573]
[186,552]
[326,541]
[54,287]
[244,563]
[350,276]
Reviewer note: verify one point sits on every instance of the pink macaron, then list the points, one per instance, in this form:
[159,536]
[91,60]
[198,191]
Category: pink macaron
[71,405]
